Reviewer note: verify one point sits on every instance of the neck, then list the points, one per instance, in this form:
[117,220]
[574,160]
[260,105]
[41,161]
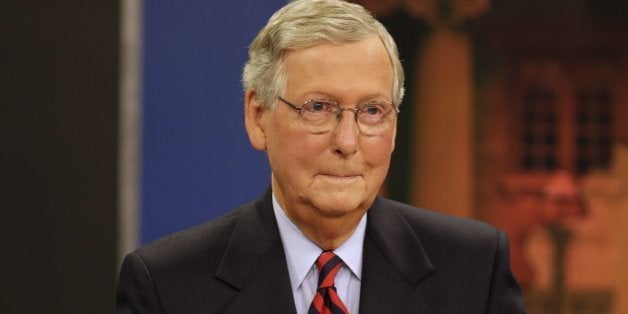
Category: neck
[327,228]
[328,233]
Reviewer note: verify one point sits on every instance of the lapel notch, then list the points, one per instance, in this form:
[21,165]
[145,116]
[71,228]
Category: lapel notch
[253,237]
[254,263]
[394,263]
[397,242]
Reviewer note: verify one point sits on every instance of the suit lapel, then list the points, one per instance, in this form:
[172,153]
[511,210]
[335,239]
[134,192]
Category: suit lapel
[394,263]
[254,263]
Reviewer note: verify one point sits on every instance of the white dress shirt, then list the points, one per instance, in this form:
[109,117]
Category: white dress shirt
[301,255]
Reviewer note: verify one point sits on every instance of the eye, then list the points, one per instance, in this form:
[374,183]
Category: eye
[372,109]
[373,113]
[319,106]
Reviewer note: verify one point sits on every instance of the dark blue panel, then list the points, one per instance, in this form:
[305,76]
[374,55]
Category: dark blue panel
[197,161]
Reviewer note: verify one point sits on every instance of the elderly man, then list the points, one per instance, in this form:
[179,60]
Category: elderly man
[323,83]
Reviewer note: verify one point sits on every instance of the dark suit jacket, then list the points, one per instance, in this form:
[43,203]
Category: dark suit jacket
[415,261]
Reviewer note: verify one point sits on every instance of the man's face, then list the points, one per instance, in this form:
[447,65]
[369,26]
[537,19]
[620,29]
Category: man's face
[340,171]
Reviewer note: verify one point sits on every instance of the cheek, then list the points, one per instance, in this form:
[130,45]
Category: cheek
[294,150]
[307,155]
[378,151]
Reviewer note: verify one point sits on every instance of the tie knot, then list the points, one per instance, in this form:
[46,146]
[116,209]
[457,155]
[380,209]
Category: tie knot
[326,300]
[328,265]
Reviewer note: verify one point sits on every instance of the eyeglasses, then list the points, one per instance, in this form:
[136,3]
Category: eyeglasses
[322,115]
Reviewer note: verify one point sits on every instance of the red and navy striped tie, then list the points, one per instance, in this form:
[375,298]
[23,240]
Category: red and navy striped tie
[326,300]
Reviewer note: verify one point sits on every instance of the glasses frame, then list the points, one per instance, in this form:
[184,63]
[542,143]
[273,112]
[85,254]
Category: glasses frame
[341,108]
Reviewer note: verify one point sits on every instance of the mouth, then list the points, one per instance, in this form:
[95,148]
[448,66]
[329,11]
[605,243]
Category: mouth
[340,176]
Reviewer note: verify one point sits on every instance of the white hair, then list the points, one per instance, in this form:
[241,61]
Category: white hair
[305,23]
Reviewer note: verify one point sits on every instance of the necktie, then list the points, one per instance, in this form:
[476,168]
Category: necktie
[326,300]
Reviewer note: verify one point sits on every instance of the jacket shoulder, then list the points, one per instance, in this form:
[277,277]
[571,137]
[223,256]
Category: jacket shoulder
[193,245]
[470,255]
[437,230]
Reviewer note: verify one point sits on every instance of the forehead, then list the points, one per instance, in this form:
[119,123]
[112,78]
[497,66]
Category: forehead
[339,68]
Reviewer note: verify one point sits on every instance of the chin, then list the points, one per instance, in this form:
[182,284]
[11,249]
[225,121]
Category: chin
[338,204]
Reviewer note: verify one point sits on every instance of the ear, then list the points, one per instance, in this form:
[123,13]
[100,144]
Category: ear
[254,111]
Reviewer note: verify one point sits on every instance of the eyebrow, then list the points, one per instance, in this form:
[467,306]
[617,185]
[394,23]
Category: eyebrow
[327,96]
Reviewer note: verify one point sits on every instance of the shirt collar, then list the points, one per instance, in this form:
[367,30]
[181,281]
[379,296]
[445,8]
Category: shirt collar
[301,253]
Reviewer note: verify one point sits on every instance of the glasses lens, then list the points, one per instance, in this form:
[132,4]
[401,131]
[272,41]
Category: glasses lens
[319,114]
[375,117]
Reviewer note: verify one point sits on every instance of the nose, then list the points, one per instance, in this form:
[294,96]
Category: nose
[346,133]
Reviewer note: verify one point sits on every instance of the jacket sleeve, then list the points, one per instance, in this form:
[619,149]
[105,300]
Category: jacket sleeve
[505,294]
[136,291]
